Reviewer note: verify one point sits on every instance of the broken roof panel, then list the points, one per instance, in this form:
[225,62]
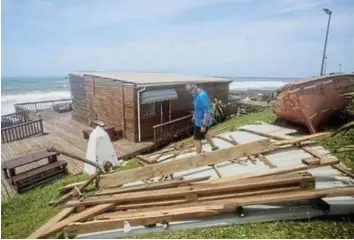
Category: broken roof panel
[325,177]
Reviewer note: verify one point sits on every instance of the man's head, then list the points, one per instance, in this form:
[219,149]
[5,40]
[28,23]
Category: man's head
[192,88]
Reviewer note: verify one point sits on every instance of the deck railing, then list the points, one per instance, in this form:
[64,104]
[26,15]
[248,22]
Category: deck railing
[14,118]
[20,131]
[42,105]
[168,130]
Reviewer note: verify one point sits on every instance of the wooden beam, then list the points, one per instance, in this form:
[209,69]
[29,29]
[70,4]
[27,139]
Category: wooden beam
[204,189]
[146,159]
[64,213]
[150,186]
[272,172]
[311,161]
[217,206]
[343,169]
[70,186]
[216,169]
[87,214]
[314,153]
[143,219]
[266,161]
[225,139]
[233,139]
[203,159]
[185,203]
[267,135]
[301,139]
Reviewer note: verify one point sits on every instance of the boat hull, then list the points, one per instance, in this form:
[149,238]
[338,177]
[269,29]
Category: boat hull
[312,101]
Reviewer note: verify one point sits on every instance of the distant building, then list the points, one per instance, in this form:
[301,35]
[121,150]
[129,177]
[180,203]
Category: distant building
[126,100]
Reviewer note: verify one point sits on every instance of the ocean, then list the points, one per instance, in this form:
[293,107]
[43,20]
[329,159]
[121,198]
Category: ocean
[16,90]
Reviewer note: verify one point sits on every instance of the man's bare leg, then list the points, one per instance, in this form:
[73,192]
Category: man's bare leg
[209,139]
[198,146]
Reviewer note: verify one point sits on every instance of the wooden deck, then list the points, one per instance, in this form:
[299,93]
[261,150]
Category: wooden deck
[65,133]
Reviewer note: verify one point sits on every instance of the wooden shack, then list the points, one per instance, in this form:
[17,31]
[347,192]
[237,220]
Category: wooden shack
[144,106]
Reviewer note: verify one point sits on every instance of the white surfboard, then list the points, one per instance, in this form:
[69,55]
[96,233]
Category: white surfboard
[100,150]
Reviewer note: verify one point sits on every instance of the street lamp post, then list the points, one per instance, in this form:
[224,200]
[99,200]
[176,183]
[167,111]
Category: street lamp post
[329,13]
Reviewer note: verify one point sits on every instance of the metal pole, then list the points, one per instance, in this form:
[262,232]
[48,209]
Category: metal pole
[325,45]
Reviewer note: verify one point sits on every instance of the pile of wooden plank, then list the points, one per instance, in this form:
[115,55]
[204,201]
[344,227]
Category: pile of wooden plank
[179,199]
[115,205]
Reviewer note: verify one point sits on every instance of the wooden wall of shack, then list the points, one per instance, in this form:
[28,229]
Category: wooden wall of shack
[114,103]
[80,112]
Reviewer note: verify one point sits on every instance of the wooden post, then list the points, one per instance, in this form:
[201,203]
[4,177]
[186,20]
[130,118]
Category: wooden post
[170,111]
[124,132]
[161,117]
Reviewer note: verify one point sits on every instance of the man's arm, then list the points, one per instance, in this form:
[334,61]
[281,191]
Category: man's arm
[206,110]
[205,119]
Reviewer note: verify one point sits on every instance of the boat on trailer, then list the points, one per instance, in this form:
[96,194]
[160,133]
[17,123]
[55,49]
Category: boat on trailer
[313,100]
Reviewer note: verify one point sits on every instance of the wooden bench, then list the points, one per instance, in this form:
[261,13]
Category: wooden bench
[111,131]
[39,175]
[31,178]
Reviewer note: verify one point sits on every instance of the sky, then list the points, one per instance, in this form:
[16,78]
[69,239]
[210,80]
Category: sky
[254,38]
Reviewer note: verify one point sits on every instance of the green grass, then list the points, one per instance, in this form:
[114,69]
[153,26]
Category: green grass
[23,214]
[278,230]
[340,140]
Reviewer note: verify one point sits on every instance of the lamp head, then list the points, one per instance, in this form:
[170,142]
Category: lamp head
[329,12]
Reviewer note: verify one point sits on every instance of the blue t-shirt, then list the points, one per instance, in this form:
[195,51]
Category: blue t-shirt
[201,104]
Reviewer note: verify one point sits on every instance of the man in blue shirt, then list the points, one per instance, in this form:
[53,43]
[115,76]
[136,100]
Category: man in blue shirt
[202,117]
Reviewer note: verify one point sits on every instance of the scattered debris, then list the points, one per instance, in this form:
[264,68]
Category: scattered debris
[157,193]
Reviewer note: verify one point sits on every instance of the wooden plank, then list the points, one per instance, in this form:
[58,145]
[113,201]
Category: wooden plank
[150,186]
[70,186]
[143,219]
[225,139]
[301,139]
[146,159]
[222,205]
[204,159]
[266,161]
[63,214]
[267,135]
[217,171]
[341,167]
[272,172]
[311,161]
[314,153]
[86,214]
[158,205]
[204,189]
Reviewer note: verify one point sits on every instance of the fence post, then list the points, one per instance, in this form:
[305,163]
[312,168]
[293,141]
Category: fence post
[155,139]
[41,125]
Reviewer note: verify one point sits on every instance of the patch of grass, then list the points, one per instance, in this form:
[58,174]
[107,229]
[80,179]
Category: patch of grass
[23,214]
[340,140]
[271,230]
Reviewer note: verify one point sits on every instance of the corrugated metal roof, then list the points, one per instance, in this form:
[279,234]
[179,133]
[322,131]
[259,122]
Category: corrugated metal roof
[150,79]
[158,95]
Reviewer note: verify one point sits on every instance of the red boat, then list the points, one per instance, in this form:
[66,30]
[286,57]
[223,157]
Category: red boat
[312,100]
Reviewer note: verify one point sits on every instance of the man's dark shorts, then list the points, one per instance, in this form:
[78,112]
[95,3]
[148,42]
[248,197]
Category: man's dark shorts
[198,135]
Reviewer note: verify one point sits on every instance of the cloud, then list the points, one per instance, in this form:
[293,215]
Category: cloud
[280,45]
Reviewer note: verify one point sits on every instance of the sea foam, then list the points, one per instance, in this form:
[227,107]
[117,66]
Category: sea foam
[8,101]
